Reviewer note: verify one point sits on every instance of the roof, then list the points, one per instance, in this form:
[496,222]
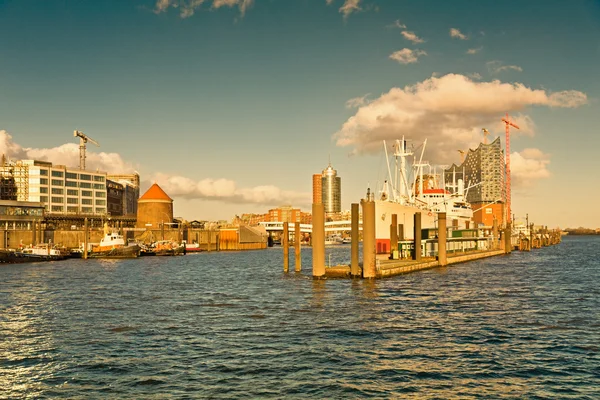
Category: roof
[155,193]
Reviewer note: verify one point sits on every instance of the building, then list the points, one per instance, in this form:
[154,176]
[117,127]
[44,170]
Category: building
[61,190]
[331,186]
[17,217]
[114,198]
[131,191]
[155,209]
[483,173]
[284,214]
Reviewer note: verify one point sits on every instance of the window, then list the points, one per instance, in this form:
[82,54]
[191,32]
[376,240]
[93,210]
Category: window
[73,209]
[43,190]
[43,172]
[86,201]
[85,177]
[72,200]
[71,184]
[72,192]
[43,181]
[57,182]
[87,193]
[100,210]
[100,202]
[58,200]
[98,186]
[85,185]
[57,208]
[57,174]
[99,178]
[43,199]
[71,175]
[100,194]
[86,210]
[57,191]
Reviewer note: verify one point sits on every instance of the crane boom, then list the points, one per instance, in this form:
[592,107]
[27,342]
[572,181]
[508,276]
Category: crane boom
[83,139]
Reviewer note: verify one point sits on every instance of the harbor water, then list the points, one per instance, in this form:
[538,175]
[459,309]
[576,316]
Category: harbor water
[233,325]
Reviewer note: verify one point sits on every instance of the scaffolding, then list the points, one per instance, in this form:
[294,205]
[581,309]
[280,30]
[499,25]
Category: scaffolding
[14,180]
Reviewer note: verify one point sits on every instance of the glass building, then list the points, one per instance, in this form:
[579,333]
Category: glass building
[331,189]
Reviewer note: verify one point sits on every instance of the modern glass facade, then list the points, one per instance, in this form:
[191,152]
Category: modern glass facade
[331,187]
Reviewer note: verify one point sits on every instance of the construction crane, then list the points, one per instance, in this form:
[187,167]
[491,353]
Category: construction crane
[508,124]
[83,139]
[462,156]
[485,135]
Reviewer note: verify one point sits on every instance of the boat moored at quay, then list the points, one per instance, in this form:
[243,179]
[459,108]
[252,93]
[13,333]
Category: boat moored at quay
[113,245]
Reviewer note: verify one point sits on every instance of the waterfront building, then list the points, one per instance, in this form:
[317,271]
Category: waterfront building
[155,209]
[284,214]
[17,217]
[483,173]
[114,198]
[331,186]
[131,191]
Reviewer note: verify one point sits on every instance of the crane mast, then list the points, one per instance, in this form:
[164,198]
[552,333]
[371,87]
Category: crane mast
[508,124]
[83,139]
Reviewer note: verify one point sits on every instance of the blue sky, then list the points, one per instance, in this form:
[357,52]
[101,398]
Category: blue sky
[231,109]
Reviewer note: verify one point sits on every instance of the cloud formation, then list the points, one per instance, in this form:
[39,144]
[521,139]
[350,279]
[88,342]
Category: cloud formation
[227,190]
[397,24]
[527,167]
[357,101]
[407,56]
[495,67]
[176,186]
[474,51]
[449,111]
[188,8]
[349,7]
[412,37]
[455,33]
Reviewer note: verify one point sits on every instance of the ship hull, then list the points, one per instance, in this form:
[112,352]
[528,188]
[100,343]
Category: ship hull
[117,252]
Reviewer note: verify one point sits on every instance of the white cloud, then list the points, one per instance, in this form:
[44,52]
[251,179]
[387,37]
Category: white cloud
[397,24]
[357,101]
[227,190]
[66,154]
[328,2]
[412,37]
[407,56]
[475,76]
[455,33]
[495,67]
[474,51]
[188,8]
[449,111]
[349,7]
[527,167]
[176,186]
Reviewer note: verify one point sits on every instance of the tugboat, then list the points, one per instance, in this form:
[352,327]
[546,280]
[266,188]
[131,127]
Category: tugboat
[169,248]
[112,245]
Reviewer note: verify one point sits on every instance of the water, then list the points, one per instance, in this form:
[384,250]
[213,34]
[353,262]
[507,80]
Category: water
[232,325]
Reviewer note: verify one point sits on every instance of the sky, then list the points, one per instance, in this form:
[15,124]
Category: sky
[232,105]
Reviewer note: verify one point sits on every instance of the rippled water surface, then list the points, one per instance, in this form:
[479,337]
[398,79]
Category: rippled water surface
[233,325]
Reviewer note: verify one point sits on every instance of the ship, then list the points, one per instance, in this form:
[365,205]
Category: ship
[113,245]
[42,252]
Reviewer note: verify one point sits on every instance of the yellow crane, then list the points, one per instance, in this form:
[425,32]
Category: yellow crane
[83,139]
[485,134]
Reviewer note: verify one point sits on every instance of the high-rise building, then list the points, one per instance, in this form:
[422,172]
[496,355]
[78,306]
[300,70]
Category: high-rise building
[483,173]
[331,186]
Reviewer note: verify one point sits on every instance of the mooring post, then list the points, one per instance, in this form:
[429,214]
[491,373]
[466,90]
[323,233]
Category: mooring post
[286,246]
[394,237]
[297,237]
[417,235]
[442,259]
[33,232]
[354,240]
[495,234]
[318,240]
[368,208]
[85,239]
[508,239]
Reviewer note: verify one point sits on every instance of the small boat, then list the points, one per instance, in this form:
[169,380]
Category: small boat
[346,240]
[42,252]
[333,240]
[168,248]
[112,245]
[192,247]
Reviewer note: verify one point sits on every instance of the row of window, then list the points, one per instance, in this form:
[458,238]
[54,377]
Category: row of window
[73,192]
[72,175]
[60,182]
[84,210]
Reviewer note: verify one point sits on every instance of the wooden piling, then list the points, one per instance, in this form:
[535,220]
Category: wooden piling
[297,237]
[417,235]
[85,239]
[442,259]
[369,266]
[394,237]
[286,247]
[34,232]
[318,240]
[354,270]
[495,234]
[507,238]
